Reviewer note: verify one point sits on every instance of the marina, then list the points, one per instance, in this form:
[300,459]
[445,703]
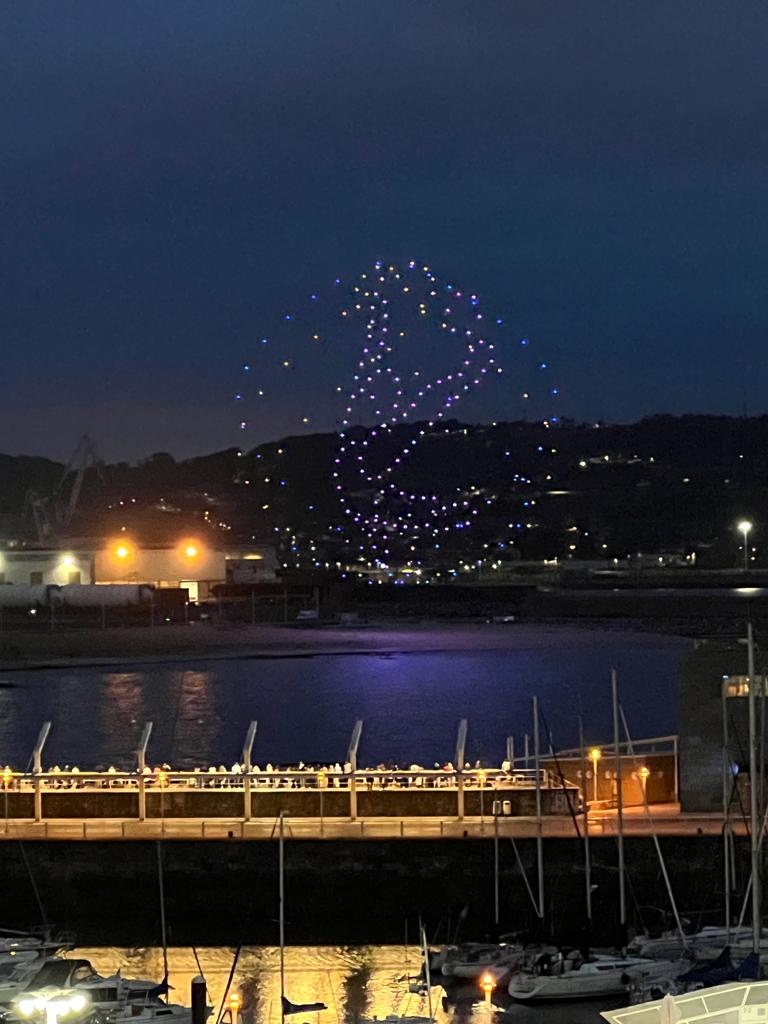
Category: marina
[524,829]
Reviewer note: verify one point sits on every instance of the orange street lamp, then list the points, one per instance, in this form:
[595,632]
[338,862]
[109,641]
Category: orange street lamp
[644,773]
[190,549]
[234,1004]
[488,984]
[594,755]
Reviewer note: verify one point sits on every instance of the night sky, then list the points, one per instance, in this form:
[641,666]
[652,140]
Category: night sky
[175,175]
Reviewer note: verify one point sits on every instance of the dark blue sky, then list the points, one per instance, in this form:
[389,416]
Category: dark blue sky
[173,175]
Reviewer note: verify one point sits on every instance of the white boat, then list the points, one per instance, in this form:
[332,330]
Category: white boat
[151,1011]
[16,976]
[710,942]
[393,1018]
[472,960]
[22,946]
[705,944]
[572,978]
[668,946]
[111,993]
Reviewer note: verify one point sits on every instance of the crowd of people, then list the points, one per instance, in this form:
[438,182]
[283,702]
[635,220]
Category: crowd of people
[300,776]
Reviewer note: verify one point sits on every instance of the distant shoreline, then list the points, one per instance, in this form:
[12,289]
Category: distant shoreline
[94,648]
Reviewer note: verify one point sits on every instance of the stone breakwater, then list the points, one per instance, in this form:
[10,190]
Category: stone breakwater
[225,892]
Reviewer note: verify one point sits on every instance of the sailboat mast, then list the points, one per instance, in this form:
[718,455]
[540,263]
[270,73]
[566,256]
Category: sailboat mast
[539,837]
[585,807]
[753,789]
[281,912]
[425,954]
[619,805]
[161,895]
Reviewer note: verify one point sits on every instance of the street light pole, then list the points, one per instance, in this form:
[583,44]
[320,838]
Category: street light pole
[744,527]
[753,790]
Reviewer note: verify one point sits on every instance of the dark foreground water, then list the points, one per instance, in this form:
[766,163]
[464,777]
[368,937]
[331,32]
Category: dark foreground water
[353,981]
[306,706]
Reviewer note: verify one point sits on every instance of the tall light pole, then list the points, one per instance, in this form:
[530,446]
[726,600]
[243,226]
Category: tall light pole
[744,526]
[595,754]
[753,789]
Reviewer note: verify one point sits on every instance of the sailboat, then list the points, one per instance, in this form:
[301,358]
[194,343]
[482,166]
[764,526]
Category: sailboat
[287,1008]
[153,1006]
[396,1018]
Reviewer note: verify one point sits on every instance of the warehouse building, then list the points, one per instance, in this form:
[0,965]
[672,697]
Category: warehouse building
[712,689]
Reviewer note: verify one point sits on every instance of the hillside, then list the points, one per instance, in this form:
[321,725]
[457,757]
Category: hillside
[662,484]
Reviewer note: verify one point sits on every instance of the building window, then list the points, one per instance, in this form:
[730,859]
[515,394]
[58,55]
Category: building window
[35,579]
[738,686]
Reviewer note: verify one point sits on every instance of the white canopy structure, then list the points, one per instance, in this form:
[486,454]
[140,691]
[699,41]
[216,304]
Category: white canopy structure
[738,1002]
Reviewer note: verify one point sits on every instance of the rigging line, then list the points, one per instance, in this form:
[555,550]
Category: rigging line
[561,776]
[36,891]
[525,878]
[238,950]
[656,843]
[197,961]
[229,983]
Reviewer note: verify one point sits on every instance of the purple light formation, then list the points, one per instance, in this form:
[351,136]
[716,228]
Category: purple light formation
[423,347]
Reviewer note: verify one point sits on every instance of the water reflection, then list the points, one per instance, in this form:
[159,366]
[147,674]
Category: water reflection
[353,982]
[197,722]
[306,707]
[121,715]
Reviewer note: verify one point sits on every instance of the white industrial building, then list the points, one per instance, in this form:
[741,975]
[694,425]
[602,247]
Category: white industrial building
[191,565]
[38,567]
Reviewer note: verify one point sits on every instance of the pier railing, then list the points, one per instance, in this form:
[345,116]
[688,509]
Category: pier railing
[166,793]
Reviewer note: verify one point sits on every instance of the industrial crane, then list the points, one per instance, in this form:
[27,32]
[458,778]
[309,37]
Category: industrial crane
[53,514]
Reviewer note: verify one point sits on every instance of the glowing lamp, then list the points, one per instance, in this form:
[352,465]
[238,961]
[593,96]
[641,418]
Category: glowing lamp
[52,1004]
[122,551]
[234,1002]
[322,780]
[487,983]
[7,777]
[595,754]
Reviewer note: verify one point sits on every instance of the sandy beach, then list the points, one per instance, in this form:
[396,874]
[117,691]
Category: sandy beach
[203,641]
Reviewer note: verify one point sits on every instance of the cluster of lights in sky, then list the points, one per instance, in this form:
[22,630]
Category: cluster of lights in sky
[421,347]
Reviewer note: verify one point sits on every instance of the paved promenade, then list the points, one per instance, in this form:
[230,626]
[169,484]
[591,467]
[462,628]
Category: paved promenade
[665,820]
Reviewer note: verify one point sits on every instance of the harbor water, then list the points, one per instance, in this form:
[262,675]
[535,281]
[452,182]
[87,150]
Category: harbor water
[306,705]
[352,981]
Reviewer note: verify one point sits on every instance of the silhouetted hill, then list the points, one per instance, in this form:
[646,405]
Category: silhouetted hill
[586,490]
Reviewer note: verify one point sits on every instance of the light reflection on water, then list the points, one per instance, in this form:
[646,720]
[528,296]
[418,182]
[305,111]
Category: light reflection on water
[353,981]
[306,707]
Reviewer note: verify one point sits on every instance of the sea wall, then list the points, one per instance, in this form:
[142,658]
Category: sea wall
[222,893]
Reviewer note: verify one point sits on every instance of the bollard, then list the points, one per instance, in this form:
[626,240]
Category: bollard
[198,998]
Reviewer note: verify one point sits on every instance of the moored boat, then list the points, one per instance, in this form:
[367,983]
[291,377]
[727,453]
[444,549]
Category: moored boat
[572,978]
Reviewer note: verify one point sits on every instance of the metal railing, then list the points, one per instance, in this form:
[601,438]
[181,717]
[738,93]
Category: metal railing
[169,779]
